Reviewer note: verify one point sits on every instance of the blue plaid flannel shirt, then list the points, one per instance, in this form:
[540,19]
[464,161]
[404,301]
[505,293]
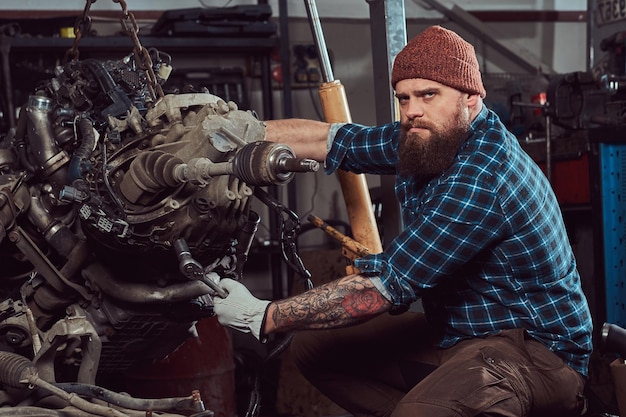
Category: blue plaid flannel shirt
[484,244]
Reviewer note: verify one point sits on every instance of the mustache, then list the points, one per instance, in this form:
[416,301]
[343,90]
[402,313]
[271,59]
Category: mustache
[417,124]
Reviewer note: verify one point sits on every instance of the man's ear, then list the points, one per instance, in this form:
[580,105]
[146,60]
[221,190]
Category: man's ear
[474,104]
[472,100]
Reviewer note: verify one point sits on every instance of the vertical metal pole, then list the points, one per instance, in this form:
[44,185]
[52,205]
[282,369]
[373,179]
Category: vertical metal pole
[285,59]
[320,43]
[388,34]
[590,34]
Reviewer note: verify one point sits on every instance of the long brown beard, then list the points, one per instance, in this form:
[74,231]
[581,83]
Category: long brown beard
[424,159]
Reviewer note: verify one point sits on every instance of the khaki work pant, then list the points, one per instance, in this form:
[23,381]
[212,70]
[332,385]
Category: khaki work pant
[389,367]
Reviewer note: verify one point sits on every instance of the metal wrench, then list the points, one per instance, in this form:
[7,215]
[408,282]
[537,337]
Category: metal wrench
[192,268]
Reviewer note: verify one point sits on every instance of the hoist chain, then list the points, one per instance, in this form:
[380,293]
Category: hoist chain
[130,27]
[129,24]
[82,25]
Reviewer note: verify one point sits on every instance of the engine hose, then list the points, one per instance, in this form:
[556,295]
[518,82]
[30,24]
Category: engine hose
[76,401]
[63,122]
[15,370]
[121,400]
[82,154]
[56,233]
[27,411]
[20,145]
[20,129]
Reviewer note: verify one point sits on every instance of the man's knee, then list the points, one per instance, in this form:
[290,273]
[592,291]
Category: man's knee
[469,388]
[507,407]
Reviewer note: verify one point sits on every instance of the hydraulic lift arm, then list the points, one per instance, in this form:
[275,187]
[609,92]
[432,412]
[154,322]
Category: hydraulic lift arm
[335,107]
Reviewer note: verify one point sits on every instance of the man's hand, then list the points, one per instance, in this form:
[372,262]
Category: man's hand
[240,309]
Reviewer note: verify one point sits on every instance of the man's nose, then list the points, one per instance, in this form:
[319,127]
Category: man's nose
[414,109]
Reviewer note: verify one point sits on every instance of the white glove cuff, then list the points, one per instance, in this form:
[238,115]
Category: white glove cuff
[256,324]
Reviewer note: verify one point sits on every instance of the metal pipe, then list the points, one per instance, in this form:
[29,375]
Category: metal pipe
[123,400]
[143,293]
[320,43]
[5,48]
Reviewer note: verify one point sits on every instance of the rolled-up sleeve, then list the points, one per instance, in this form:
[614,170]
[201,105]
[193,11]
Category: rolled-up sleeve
[390,284]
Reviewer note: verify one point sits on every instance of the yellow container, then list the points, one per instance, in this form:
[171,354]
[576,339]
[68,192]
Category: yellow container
[67,32]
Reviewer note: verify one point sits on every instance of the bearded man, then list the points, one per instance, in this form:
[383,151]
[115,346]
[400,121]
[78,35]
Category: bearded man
[506,329]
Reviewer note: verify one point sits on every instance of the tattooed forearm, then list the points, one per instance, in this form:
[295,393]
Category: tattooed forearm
[339,303]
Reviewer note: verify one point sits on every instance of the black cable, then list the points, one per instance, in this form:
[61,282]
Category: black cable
[107,183]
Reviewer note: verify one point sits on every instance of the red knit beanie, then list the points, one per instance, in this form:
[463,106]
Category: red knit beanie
[440,55]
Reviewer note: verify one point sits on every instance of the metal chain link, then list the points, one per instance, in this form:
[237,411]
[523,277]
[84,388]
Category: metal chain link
[130,27]
[82,25]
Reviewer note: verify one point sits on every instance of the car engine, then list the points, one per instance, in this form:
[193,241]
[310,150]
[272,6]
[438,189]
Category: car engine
[120,210]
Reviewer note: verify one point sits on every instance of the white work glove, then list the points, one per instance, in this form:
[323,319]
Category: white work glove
[240,309]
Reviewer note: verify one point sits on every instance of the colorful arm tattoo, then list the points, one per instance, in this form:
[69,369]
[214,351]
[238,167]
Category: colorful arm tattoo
[339,303]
